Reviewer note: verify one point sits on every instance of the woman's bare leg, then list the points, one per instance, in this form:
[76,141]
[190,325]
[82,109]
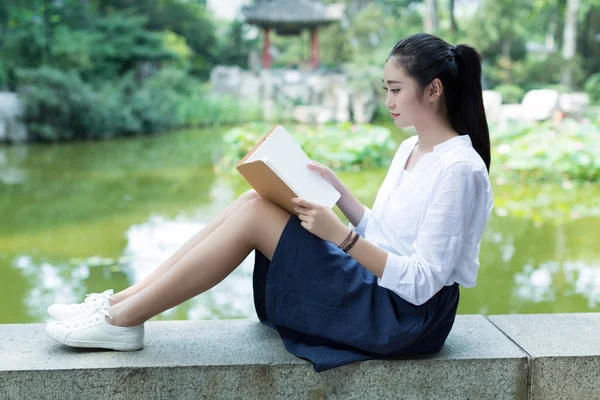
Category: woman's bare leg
[256,225]
[199,237]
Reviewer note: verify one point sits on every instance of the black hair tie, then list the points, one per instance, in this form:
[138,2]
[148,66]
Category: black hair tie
[452,53]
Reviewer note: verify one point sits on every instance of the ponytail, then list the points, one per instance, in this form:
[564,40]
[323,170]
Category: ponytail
[466,111]
[426,57]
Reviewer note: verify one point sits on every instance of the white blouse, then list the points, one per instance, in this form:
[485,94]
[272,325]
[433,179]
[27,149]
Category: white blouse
[431,220]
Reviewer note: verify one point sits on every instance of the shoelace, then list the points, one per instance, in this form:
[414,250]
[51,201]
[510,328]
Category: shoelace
[92,297]
[93,316]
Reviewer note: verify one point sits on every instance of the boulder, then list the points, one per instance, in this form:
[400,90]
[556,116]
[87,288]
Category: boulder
[539,105]
[574,104]
[492,102]
[364,103]
[12,129]
[313,114]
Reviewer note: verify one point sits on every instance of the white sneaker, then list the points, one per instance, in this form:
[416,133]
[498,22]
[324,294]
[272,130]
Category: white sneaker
[93,301]
[93,331]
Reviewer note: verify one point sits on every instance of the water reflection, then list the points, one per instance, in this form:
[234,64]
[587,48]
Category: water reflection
[10,172]
[156,240]
[148,244]
[81,218]
[545,283]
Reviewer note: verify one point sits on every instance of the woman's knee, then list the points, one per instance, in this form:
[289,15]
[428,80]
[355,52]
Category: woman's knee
[248,196]
[260,212]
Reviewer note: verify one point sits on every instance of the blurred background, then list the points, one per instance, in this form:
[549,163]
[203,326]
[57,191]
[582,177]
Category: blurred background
[121,122]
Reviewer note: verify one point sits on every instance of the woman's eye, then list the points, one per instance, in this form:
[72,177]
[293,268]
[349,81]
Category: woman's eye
[384,89]
[394,90]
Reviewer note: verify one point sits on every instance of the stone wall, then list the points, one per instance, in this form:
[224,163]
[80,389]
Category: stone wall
[307,96]
[537,105]
[537,357]
[12,130]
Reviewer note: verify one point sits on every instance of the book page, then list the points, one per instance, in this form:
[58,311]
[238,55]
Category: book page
[290,164]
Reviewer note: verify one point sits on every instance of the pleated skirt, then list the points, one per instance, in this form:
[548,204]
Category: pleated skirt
[329,309]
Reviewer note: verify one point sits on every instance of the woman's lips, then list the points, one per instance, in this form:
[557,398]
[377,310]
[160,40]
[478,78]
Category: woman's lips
[394,115]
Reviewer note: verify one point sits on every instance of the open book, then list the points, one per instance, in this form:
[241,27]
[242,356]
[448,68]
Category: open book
[277,169]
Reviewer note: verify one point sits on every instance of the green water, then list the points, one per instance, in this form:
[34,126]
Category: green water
[84,217]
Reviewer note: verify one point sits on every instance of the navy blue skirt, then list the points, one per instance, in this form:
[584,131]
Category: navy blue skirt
[330,310]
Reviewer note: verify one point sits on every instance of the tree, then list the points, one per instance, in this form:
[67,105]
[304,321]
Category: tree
[453,25]
[569,42]
[431,22]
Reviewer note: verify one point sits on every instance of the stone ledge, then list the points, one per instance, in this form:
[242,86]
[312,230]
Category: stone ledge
[244,359]
[564,351]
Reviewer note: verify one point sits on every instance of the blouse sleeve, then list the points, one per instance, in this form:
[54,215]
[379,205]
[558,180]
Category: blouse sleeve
[362,225]
[440,240]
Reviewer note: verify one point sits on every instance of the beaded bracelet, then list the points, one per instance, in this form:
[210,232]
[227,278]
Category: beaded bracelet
[352,243]
[345,242]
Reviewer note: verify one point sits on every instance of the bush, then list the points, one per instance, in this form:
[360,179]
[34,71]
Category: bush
[510,93]
[61,106]
[58,105]
[592,87]
[546,152]
[342,147]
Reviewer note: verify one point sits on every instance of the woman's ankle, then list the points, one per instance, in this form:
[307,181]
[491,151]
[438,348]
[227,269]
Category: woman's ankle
[120,317]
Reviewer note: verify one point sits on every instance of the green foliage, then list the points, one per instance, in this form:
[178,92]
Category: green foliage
[57,104]
[510,93]
[233,48]
[343,147]
[548,152]
[592,87]
[61,106]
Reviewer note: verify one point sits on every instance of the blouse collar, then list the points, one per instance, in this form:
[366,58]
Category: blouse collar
[460,140]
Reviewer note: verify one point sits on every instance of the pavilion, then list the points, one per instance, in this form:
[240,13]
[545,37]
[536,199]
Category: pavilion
[291,17]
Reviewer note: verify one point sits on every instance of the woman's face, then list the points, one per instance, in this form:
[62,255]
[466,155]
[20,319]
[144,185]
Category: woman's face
[403,97]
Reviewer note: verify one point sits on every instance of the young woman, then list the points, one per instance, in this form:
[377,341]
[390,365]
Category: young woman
[387,284]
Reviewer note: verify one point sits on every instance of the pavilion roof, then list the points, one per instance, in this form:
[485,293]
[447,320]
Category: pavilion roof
[291,15]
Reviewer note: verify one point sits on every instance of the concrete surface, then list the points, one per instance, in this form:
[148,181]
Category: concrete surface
[564,351]
[242,359]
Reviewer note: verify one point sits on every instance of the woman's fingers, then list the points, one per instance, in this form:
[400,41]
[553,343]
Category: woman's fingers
[301,210]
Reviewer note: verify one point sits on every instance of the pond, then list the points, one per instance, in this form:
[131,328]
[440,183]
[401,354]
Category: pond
[83,217]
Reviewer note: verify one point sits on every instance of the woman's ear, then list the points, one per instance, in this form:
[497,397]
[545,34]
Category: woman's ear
[435,89]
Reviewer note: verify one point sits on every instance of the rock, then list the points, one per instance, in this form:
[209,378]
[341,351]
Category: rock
[492,101]
[11,127]
[574,104]
[539,104]
[3,130]
[511,112]
[363,104]
[313,114]
[236,82]
[268,102]
[342,110]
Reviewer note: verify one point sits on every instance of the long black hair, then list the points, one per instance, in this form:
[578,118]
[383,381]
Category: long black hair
[426,57]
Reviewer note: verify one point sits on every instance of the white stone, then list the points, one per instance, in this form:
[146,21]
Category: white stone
[539,104]
[363,104]
[3,130]
[312,114]
[492,101]
[342,110]
[226,80]
[574,103]
[511,112]
[11,110]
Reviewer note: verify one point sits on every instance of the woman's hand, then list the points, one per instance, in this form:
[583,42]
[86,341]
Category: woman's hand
[327,174]
[320,221]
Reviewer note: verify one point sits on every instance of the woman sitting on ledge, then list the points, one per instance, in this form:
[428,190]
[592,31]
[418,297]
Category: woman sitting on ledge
[387,284]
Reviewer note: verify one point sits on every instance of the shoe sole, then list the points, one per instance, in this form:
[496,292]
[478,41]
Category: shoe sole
[95,345]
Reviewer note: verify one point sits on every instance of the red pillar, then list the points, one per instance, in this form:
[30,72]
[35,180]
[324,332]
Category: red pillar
[266,59]
[314,48]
